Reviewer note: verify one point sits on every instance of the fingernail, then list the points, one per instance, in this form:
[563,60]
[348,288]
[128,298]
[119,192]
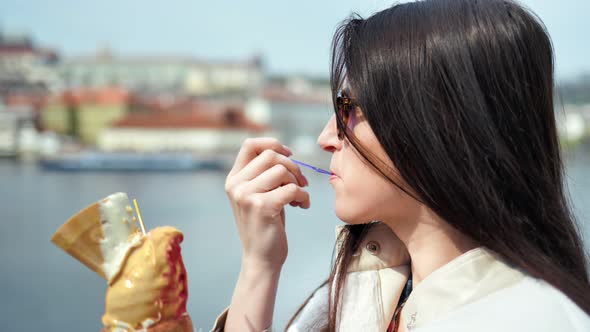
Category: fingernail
[288,150]
[305,179]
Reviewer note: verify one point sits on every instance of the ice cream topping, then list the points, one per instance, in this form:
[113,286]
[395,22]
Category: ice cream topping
[119,226]
[151,284]
[147,287]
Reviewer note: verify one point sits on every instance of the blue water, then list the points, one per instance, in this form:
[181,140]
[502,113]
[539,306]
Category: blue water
[43,289]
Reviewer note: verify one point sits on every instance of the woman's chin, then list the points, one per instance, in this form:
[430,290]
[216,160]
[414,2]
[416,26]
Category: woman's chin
[348,214]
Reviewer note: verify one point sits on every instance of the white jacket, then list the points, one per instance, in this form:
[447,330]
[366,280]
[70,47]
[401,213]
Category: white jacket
[476,291]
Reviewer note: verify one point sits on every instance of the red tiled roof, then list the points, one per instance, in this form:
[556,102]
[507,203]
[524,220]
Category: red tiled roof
[16,49]
[231,119]
[101,96]
[24,99]
[169,104]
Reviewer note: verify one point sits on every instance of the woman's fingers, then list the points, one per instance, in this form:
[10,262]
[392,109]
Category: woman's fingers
[271,203]
[252,147]
[272,178]
[276,176]
[270,191]
[263,179]
[286,194]
[266,160]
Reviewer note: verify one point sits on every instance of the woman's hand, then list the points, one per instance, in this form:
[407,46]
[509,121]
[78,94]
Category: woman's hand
[263,180]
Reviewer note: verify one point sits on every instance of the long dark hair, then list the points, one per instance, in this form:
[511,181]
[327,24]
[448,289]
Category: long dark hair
[460,95]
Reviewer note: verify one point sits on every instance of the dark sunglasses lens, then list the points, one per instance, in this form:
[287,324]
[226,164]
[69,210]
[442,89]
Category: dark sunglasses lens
[343,114]
[340,115]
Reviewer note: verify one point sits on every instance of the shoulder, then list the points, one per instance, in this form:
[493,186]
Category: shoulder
[529,305]
[554,306]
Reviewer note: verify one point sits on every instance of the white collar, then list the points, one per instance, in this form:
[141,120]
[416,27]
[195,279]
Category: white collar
[373,288]
[465,279]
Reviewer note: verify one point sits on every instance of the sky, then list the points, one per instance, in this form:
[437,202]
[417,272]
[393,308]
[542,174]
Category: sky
[292,36]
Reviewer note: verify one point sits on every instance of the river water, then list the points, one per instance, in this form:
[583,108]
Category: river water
[44,289]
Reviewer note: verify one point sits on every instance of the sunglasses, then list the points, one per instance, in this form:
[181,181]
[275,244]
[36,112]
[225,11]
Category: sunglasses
[345,107]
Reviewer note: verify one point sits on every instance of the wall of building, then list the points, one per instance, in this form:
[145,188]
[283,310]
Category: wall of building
[182,76]
[92,119]
[157,140]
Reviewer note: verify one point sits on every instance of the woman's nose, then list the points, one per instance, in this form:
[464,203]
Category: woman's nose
[328,138]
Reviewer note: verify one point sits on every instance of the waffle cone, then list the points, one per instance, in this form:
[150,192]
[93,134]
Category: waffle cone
[80,237]
[182,324]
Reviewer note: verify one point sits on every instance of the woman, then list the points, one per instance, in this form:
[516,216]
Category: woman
[445,134]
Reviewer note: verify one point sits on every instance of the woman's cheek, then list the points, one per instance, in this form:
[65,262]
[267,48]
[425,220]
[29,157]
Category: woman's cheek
[342,206]
[351,208]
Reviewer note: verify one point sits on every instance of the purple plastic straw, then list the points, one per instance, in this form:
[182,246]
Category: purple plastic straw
[317,169]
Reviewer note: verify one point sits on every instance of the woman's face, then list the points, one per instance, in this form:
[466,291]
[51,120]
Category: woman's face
[361,193]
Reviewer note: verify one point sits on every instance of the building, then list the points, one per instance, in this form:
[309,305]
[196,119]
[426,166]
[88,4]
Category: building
[202,132]
[18,132]
[26,68]
[297,108]
[84,113]
[164,74]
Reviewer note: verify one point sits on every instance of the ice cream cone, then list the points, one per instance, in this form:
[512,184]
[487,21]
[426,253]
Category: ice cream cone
[182,324]
[100,235]
[80,237]
[147,286]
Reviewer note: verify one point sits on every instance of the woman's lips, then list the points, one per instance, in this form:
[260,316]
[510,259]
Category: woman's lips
[333,176]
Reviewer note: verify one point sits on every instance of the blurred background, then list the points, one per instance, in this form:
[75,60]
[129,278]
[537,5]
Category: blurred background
[154,98]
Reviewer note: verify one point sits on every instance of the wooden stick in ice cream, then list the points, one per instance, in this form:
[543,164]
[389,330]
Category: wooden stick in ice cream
[139,216]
